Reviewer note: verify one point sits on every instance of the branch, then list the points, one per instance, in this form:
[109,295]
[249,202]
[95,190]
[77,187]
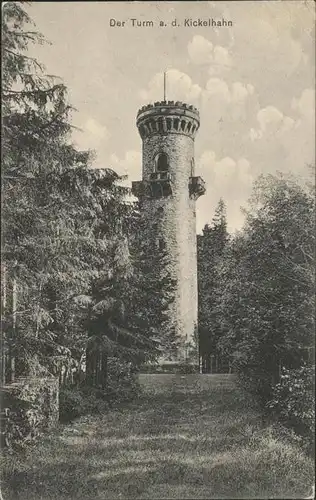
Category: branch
[15,54]
[25,93]
[26,34]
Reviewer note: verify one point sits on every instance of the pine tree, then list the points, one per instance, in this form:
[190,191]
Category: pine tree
[35,117]
[212,245]
[62,220]
[152,293]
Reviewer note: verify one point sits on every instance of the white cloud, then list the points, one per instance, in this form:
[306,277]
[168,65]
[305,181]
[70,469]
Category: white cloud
[225,103]
[221,62]
[91,135]
[240,91]
[236,93]
[207,160]
[283,143]
[95,128]
[264,40]
[179,86]
[130,165]
[227,178]
[269,116]
[202,52]
[217,88]
[271,122]
[305,104]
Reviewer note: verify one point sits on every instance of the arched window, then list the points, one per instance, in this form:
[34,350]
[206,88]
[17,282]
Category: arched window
[160,125]
[142,131]
[160,244]
[162,162]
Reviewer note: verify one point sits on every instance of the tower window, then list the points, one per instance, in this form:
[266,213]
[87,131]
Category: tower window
[162,163]
[160,125]
[142,131]
[160,244]
[183,124]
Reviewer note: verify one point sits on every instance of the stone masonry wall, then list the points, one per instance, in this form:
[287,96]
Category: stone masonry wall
[173,219]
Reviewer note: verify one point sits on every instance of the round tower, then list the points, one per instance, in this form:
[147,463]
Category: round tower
[168,192]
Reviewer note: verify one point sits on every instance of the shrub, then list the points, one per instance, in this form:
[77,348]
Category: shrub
[28,406]
[187,368]
[77,401]
[122,380]
[293,399]
[122,385]
[20,422]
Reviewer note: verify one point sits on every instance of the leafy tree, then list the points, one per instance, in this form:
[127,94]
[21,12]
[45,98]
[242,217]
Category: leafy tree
[267,297]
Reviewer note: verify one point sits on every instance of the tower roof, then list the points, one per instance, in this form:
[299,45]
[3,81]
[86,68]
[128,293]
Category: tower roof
[164,117]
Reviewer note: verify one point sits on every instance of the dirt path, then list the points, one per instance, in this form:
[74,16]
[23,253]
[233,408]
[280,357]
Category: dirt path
[191,437]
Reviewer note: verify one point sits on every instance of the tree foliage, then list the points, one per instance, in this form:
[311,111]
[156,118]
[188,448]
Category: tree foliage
[267,301]
[256,296]
[151,295]
[212,246]
[64,223]
[72,293]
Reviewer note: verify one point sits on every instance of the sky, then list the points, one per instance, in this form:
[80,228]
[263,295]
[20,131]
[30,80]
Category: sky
[253,82]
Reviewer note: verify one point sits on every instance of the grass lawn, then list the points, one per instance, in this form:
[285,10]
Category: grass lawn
[196,436]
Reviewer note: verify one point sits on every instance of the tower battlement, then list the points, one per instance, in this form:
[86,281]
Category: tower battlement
[168,103]
[168,117]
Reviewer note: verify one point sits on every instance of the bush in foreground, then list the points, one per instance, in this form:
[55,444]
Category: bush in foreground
[122,385]
[293,400]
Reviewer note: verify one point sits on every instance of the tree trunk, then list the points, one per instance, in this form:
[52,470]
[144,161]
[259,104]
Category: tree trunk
[3,312]
[38,308]
[104,370]
[98,368]
[89,367]
[200,364]
[13,331]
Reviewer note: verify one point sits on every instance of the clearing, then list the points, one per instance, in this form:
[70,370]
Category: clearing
[192,436]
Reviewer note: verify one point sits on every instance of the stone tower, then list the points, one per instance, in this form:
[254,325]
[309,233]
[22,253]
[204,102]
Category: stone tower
[168,192]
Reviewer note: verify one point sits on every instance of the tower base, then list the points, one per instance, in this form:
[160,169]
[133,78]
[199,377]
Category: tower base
[170,368]
[185,360]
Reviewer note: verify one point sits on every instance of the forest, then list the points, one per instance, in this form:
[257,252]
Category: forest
[80,292]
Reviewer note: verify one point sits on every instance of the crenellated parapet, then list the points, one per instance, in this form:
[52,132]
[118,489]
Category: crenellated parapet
[168,117]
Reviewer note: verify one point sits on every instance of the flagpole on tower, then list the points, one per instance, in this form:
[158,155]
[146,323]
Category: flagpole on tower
[164,85]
